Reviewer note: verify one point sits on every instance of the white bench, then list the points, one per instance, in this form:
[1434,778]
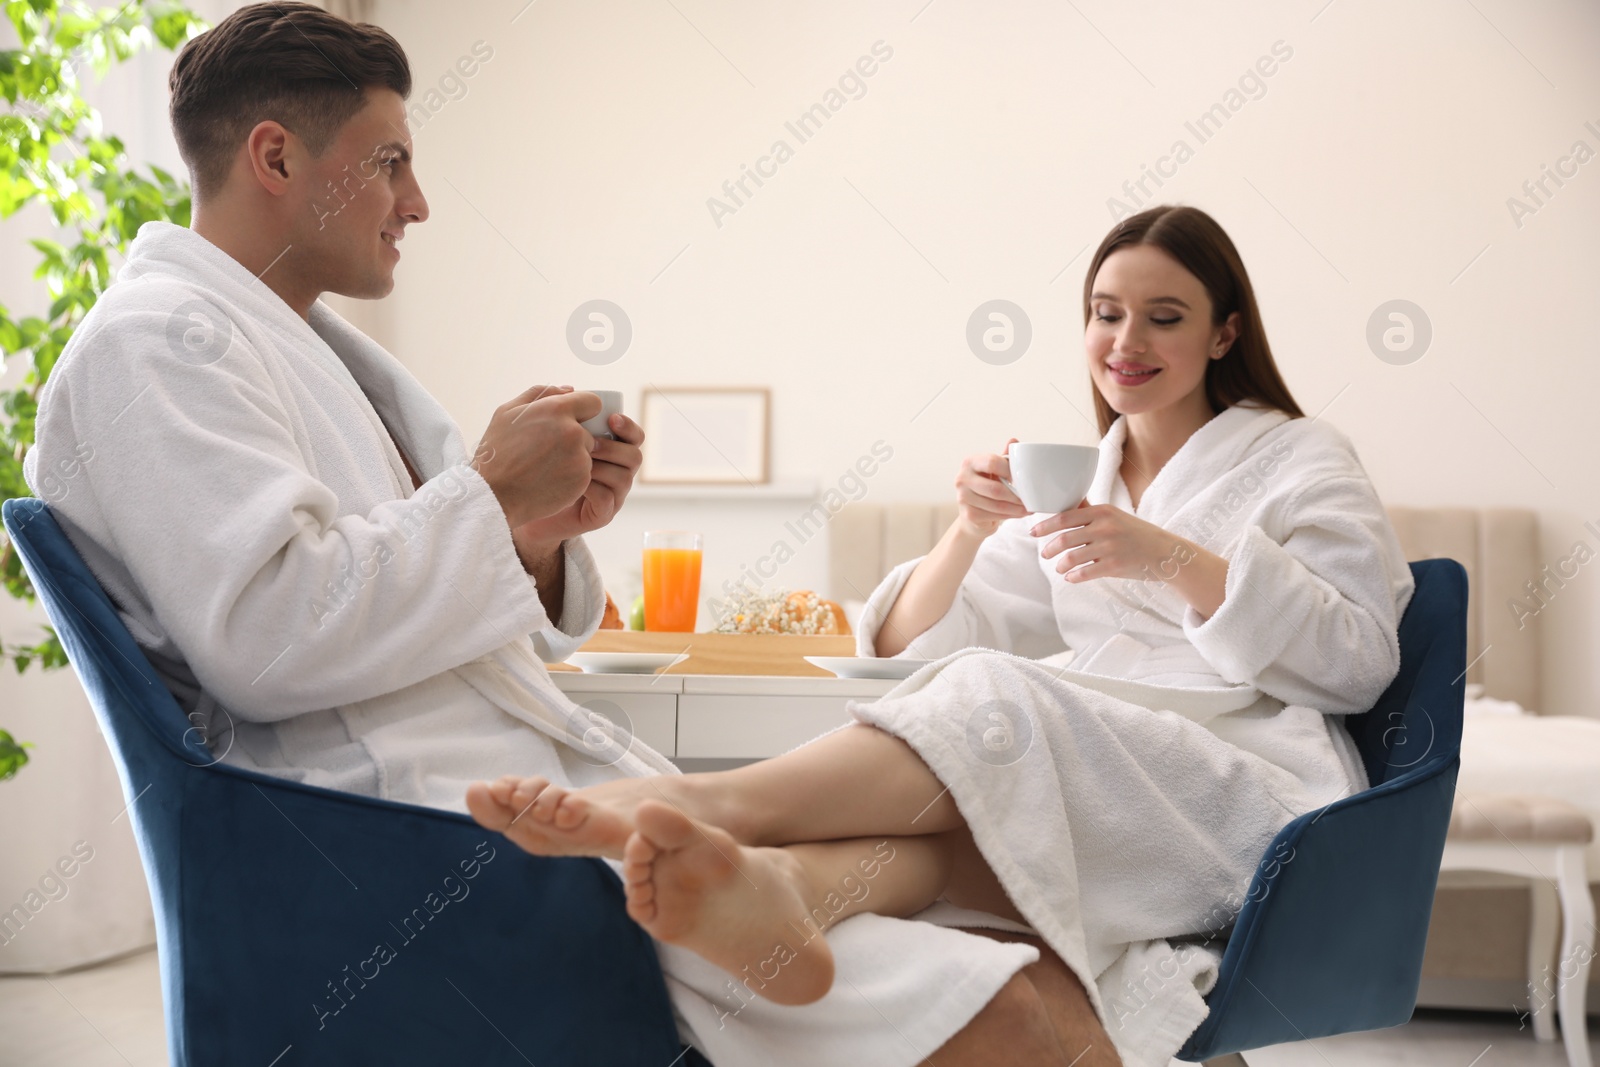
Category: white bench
[1543,840]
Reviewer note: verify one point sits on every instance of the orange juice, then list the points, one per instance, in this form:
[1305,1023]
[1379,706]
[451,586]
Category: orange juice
[671,588]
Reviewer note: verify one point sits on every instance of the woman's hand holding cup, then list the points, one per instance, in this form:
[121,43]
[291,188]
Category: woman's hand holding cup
[983,496]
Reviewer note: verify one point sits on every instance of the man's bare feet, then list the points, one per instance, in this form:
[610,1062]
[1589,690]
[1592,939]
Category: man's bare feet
[743,909]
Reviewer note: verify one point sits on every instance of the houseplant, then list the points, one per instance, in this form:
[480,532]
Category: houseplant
[54,151]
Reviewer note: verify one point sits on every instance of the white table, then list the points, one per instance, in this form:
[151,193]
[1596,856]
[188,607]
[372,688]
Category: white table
[720,716]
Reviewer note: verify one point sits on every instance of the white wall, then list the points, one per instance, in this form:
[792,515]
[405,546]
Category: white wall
[1376,165]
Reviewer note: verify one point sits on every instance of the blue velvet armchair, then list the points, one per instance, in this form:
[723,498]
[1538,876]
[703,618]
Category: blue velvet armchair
[299,925]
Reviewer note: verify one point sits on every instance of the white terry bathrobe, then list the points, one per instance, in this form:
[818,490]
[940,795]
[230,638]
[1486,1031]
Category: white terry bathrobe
[1124,800]
[227,471]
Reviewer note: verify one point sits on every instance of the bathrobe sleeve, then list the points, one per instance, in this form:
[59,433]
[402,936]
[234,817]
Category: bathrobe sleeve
[280,603]
[583,605]
[1003,603]
[1315,588]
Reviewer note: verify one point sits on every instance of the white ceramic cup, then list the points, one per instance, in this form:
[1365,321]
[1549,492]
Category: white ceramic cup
[610,404]
[1051,478]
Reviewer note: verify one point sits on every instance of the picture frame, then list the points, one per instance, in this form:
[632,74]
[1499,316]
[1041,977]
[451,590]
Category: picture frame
[706,435]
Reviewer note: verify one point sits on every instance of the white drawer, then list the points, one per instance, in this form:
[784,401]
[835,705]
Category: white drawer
[652,716]
[714,726]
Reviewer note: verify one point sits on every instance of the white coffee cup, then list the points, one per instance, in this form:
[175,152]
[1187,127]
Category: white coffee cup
[610,404]
[1051,478]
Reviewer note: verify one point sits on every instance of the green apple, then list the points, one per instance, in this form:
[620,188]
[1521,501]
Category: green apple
[636,614]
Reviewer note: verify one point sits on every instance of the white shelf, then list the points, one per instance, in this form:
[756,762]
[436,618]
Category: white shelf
[769,493]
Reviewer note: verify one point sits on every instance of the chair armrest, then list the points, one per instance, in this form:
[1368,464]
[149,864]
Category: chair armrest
[361,931]
[1287,973]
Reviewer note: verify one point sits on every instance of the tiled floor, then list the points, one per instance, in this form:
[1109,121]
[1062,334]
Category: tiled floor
[111,1015]
[1431,1039]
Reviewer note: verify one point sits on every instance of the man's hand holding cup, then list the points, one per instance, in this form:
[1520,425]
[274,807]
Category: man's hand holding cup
[555,479]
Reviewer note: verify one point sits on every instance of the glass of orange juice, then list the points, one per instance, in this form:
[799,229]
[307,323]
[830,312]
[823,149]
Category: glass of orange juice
[671,580]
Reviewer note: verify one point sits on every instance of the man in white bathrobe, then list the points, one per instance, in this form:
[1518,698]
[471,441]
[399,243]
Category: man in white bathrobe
[338,592]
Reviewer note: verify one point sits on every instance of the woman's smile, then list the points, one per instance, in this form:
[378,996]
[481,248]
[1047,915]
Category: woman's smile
[1128,373]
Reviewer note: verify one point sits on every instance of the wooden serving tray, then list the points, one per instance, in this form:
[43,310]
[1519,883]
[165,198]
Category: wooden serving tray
[767,654]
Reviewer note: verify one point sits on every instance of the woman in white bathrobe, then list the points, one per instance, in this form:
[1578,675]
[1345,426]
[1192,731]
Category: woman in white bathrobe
[1229,588]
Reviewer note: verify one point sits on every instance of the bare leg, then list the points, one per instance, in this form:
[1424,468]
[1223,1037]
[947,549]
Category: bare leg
[972,882]
[760,913]
[734,904]
[855,782]
[859,782]
[1065,1003]
[1012,1030]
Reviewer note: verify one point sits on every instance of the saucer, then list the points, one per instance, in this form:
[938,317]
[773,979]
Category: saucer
[868,666]
[624,662]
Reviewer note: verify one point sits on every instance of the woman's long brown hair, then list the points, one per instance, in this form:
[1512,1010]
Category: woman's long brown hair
[1193,238]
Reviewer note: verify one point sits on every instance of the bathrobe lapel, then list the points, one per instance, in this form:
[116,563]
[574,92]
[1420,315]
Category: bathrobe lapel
[1219,445]
[323,347]
[1211,452]
[418,422]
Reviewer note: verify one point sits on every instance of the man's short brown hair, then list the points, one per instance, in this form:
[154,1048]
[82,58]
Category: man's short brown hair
[293,63]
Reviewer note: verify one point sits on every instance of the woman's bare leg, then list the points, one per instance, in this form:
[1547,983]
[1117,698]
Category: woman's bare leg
[856,782]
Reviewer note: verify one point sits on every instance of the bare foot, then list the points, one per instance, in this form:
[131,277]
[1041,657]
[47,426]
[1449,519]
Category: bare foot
[549,820]
[554,820]
[742,908]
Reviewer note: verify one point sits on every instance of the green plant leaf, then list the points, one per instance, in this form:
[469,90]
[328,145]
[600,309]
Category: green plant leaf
[12,755]
[53,151]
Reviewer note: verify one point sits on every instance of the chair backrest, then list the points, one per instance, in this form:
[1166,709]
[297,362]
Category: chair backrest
[1416,723]
[110,664]
[1330,937]
[275,901]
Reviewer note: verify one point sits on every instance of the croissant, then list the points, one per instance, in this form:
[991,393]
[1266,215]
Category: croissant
[801,612]
[612,619]
[823,616]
